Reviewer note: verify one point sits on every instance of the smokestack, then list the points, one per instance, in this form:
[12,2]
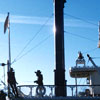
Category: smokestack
[60,81]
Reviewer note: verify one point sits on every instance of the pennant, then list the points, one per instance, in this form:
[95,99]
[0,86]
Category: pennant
[6,24]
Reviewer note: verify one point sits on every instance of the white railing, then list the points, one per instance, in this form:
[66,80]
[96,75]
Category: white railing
[36,91]
[49,90]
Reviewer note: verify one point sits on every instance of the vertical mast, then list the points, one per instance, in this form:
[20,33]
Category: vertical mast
[9,52]
[60,81]
[9,44]
[7,26]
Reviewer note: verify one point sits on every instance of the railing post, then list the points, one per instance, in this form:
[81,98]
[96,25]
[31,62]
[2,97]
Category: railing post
[30,91]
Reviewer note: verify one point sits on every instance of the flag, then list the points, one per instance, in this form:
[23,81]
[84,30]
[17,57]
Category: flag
[6,24]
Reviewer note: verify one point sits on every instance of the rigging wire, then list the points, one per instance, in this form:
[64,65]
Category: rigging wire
[80,19]
[91,50]
[34,36]
[64,31]
[83,37]
[37,45]
[95,57]
[80,36]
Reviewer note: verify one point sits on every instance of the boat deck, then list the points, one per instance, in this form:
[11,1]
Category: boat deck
[60,98]
[80,72]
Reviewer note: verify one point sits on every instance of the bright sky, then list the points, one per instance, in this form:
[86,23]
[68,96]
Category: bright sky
[31,28]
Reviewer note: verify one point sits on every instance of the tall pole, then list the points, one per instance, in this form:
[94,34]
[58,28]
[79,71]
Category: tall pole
[60,81]
[9,51]
[9,44]
[7,26]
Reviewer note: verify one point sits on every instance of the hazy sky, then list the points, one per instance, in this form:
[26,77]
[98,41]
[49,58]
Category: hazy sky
[31,28]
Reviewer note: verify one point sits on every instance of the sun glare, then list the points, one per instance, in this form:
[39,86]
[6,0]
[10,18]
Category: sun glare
[54,29]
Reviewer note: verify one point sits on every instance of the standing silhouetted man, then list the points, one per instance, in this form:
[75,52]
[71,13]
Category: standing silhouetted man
[12,81]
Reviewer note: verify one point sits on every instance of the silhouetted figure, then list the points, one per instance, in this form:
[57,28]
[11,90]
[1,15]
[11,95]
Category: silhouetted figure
[40,90]
[39,80]
[2,95]
[12,81]
[80,56]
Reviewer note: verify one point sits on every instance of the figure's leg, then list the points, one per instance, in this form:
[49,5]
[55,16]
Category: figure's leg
[13,89]
[16,90]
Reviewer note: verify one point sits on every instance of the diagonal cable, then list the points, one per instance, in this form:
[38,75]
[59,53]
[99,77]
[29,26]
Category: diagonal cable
[81,19]
[37,45]
[80,36]
[33,38]
[91,50]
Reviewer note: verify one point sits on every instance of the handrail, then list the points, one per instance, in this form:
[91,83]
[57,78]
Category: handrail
[49,90]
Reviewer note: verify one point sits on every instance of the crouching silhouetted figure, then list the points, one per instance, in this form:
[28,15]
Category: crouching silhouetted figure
[40,90]
[2,95]
[12,81]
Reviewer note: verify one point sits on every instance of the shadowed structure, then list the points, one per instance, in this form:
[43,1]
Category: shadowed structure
[60,81]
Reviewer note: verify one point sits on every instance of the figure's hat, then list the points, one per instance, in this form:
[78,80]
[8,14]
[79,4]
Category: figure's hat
[38,71]
[11,69]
